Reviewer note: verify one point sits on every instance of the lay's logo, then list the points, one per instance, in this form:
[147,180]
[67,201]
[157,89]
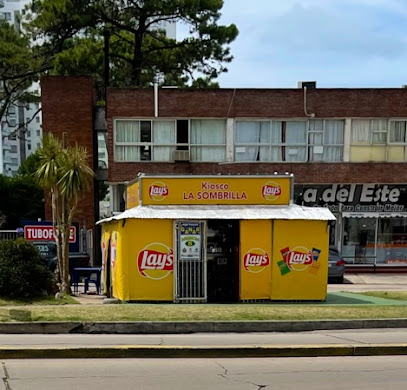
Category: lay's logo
[271,191]
[299,258]
[158,191]
[256,260]
[155,261]
[296,257]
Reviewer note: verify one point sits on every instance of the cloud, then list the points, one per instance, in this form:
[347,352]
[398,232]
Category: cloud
[332,41]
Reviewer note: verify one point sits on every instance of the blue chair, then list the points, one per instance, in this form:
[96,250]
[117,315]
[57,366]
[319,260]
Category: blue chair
[92,279]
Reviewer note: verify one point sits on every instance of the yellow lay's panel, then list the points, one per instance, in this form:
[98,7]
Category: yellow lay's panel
[148,258]
[255,262]
[300,260]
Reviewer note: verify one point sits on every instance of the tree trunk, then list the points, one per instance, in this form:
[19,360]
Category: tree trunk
[137,61]
[57,237]
[66,285]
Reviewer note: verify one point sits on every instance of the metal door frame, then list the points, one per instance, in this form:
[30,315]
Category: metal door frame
[204,277]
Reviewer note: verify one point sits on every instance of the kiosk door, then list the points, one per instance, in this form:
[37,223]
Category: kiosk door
[190,264]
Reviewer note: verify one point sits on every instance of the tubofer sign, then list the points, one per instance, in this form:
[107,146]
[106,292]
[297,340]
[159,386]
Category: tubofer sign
[45,233]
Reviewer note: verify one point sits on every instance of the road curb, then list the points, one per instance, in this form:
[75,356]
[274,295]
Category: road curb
[147,327]
[142,351]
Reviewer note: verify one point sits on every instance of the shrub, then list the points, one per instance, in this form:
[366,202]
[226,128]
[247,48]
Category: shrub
[23,272]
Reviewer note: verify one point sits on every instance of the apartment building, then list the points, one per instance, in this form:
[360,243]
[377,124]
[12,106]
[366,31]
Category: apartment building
[346,148]
[21,127]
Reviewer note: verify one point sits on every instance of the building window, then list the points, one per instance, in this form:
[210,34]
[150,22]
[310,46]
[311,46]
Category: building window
[157,140]
[380,240]
[13,149]
[378,140]
[12,110]
[12,122]
[37,119]
[29,146]
[291,141]
[397,132]
[14,161]
[38,133]
[208,140]
[369,131]
[397,144]
[7,16]
[28,133]
[134,140]
[326,139]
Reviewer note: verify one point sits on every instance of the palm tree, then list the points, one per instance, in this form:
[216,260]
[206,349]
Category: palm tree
[65,174]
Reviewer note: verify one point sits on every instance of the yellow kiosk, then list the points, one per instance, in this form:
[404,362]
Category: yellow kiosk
[215,239]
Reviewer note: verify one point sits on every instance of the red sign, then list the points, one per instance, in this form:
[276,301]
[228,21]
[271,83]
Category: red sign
[45,233]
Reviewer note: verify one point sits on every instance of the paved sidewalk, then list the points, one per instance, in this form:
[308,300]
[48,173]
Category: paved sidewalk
[376,279]
[323,343]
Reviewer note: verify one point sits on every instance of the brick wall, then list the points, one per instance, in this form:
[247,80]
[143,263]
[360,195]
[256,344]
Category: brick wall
[260,103]
[67,106]
[305,173]
[266,103]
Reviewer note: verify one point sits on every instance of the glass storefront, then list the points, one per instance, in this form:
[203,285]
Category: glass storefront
[381,240]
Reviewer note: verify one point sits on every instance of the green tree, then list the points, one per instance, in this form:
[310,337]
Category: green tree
[64,172]
[21,198]
[73,30]
[30,165]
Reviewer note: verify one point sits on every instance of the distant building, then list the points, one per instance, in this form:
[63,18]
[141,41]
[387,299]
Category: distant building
[21,128]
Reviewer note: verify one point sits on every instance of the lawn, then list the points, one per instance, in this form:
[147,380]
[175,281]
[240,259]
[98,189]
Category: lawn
[206,312]
[399,295]
[48,300]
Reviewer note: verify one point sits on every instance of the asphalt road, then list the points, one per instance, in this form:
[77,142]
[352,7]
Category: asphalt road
[358,336]
[350,373]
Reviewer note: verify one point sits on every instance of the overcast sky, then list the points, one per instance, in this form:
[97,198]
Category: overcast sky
[338,43]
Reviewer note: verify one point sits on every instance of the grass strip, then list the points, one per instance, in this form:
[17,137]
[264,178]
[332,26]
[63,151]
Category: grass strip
[397,295]
[48,300]
[207,312]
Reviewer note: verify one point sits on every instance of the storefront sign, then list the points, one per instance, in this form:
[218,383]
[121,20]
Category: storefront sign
[190,241]
[216,190]
[354,197]
[45,233]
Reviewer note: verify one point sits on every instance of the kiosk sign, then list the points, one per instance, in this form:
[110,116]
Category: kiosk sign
[222,190]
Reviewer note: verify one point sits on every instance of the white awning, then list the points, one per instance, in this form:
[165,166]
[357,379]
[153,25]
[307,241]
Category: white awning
[198,212]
